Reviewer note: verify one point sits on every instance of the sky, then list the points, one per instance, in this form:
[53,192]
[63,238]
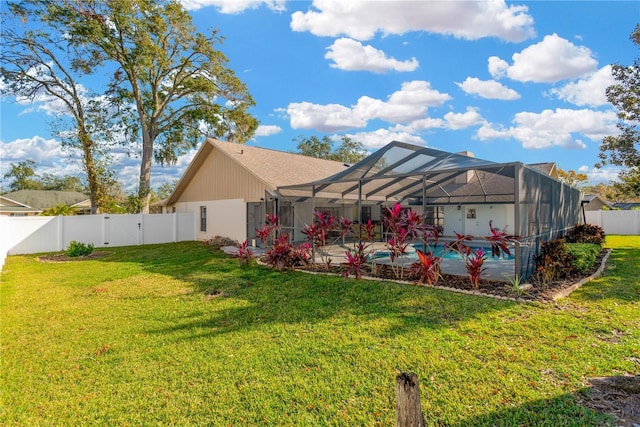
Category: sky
[508,81]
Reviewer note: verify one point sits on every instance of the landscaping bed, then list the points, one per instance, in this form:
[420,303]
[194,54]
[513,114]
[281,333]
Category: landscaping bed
[553,290]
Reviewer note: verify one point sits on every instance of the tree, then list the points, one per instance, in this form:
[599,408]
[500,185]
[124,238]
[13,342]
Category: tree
[628,188]
[59,210]
[178,82]
[24,176]
[349,151]
[314,147]
[166,189]
[33,66]
[572,178]
[62,183]
[624,149]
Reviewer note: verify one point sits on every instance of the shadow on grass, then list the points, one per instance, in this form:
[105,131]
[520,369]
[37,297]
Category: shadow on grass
[619,280]
[563,410]
[246,298]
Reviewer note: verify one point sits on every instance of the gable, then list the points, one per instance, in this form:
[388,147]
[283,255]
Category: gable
[224,170]
[219,177]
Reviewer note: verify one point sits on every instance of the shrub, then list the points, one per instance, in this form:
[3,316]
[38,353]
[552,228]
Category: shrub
[283,255]
[77,249]
[586,233]
[427,268]
[553,261]
[245,255]
[356,259]
[583,255]
[474,264]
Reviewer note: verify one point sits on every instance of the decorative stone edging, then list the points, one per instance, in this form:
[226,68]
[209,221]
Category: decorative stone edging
[565,292]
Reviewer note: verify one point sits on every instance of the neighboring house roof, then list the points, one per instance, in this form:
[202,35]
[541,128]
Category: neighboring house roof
[547,168]
[14,207]
[43,199]
[626,206]
[272,167]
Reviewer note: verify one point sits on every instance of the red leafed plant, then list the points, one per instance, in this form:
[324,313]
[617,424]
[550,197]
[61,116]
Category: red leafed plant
[283,255]
[427,267]
[245,255]
[318,232]
[474,262]
[369,230]
[356,259]
[500,241]
[460,244]
[404,226]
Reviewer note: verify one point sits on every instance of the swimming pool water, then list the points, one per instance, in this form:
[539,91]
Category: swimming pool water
[441,253]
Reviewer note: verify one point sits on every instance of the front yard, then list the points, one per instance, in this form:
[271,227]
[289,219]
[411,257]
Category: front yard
[178,334]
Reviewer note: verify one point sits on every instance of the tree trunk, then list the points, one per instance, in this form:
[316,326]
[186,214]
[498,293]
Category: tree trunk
[408,411]
[144,188]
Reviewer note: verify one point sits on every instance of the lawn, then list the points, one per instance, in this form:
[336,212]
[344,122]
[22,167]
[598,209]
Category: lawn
[178,334]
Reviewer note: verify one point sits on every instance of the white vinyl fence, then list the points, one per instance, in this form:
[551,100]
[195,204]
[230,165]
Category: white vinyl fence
[616,222]
[27,235]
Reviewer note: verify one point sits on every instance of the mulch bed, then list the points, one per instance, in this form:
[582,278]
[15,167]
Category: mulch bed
[65,258]
[497,289]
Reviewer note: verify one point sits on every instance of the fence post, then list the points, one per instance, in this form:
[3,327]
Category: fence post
[408,411]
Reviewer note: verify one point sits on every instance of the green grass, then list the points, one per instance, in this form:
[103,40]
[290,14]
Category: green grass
[178,334]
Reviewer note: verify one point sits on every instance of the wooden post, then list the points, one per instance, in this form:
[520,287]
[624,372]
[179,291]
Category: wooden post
[408,411]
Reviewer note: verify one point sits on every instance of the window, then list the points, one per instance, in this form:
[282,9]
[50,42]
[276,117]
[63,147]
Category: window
[203,218]
[434,215]
[365,213]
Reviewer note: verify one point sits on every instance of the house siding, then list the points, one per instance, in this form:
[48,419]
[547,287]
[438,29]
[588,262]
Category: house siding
[222,178]
[226,218]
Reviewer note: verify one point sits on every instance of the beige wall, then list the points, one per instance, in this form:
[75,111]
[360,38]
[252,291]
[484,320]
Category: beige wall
[221,178]
[226,218]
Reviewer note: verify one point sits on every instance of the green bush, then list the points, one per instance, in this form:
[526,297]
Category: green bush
[76,249]
[583,255]
[553,261]
[586,233]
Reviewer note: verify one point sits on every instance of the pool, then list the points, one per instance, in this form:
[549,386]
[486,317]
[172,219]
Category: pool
[441,253]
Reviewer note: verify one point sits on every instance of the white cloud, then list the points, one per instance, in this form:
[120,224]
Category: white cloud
[551,60]
[589,91]
[561,127]
[463,120]
[361,20]
[489,89]
[596,175]
[325,118]
[268,130]
[405,105]
[497,67]
[350,55]
[420,125]
[234,6]
[381,137]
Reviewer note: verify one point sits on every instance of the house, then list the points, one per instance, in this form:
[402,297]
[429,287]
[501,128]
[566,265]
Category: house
[593,202]
[231,187]
[34,202]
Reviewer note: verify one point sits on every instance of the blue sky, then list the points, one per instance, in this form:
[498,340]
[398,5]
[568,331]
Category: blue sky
[515,81]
